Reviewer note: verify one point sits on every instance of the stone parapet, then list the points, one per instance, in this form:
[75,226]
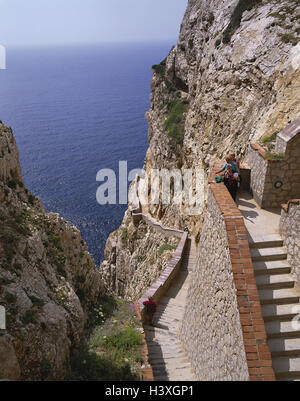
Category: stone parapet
[273,181]
[147,371]
[168,232]
[223,329]
[160,287]
[290,232]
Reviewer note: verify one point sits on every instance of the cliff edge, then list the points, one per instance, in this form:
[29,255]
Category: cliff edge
[48,280]
[232,78]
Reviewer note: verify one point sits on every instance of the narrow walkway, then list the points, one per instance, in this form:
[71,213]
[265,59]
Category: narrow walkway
[278,291]
[166,354]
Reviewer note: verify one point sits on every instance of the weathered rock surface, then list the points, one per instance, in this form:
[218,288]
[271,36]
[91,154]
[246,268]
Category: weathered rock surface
[232,78]
[135,258]
[48,280]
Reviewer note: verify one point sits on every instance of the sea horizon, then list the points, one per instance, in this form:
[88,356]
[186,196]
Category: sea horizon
[76,113]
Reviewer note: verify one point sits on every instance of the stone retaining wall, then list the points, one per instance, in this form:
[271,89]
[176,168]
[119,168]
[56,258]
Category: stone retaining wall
[275,181]
[160,287]
[168,232]
[290,231]
[147,371]
[223,330]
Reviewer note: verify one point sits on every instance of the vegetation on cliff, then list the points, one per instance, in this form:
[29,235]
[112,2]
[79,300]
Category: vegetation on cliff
[48,280]
[174,124]
[114,350]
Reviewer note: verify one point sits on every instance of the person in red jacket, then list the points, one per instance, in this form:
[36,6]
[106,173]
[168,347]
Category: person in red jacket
[150,309]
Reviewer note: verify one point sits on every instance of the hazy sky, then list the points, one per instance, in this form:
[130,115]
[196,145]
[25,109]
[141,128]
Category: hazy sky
[43,22]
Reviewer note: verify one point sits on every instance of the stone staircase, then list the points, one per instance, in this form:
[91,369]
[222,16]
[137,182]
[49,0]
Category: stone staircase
[166,354]
[280,301]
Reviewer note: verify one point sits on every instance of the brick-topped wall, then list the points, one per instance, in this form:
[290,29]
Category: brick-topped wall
[159,288]
[290,231]
[147,371]
[223,330]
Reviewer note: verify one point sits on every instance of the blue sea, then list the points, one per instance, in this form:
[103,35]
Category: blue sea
[74,111]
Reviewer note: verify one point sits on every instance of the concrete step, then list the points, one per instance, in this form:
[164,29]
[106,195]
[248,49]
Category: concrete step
[166,354]
[169,312]
[285,367]
[170,302]
[281,329]
[281,296]
[271,267]
[285,312]
[284,347]
[171,359]
[275,281]
[268,254]
[265,241]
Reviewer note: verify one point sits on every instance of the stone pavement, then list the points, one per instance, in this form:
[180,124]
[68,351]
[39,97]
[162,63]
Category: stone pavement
[258,221]
[166,354]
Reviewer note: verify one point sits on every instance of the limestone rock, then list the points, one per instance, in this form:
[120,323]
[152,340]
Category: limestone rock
[48,281]
[236,64]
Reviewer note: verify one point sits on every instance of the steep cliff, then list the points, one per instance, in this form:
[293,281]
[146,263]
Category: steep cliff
[232,78]
[48,280]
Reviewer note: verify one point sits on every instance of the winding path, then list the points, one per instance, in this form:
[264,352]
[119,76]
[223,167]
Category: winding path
[166,354]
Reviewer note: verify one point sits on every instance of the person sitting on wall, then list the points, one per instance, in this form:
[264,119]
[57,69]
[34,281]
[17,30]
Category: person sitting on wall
[231,181]
[235,163]
[224,168]
[150,309]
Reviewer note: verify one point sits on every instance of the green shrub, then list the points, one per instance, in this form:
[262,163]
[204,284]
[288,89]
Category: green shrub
[235,21]
[124,236]
[166,247]
[36,301]
[88,366]
[271,138]
[124,339]
[274,156]
[289,38]
[108,304]
[160,68]
[174,124]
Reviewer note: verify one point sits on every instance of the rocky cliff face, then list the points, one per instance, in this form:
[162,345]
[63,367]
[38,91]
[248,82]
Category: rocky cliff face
[48,280]
[232,78]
